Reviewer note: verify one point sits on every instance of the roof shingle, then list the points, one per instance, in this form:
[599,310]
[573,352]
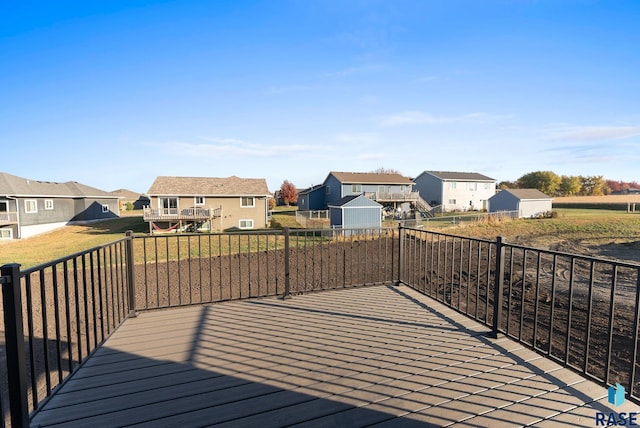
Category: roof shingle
[209,186]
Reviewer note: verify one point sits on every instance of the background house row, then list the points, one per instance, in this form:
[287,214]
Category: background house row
[29,207]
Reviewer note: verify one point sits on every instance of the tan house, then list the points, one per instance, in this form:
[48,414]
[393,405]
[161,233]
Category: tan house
[191,204]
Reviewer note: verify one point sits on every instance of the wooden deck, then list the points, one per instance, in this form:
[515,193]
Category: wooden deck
[379,356]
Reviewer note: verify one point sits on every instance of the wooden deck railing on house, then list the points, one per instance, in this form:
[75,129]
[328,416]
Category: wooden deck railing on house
[175,214]
[393,197]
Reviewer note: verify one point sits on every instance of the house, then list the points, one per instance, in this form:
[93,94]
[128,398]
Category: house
[455,191]
[207,203]
[355,212]
[137,200]
[527,202]
[29,207]
[388,189]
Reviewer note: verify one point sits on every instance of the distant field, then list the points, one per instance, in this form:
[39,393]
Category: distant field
[608,199]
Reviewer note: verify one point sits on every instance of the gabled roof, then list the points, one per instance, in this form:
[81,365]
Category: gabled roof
[346,200]
[126,194]
[310,189]
[370,178]
[208,186]
[459,176]
[11,185]
[524,194]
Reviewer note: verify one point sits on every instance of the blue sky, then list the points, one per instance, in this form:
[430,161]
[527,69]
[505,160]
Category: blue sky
[115,93]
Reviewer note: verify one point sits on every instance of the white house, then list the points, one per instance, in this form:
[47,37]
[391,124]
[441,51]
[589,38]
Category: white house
[528,202]
[455,191]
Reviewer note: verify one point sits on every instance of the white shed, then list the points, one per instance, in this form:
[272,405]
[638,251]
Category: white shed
[528,202]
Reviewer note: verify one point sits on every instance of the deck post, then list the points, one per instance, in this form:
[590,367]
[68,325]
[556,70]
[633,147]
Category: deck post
[131,277]
[14,342]
[287,279]
[498,288]
[401,234]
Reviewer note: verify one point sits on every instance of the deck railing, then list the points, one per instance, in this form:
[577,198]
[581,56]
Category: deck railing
[579,311]
[8,217]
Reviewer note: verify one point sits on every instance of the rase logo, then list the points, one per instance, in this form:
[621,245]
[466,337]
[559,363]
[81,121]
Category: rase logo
[615,397]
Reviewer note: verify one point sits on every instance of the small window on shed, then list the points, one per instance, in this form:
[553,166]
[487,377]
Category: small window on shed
[105,208]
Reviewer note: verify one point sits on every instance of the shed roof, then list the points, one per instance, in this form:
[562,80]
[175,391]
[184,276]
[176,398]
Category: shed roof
[524,194]
[12,185]
[347,200]
[209,186]
[370,178]
[459,176]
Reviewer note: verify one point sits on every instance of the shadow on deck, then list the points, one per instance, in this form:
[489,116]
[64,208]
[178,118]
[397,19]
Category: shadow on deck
[376,356]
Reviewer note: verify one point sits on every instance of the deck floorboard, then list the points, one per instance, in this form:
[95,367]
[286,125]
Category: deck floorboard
[376,356]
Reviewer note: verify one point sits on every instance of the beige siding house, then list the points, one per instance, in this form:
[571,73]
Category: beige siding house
[191,204]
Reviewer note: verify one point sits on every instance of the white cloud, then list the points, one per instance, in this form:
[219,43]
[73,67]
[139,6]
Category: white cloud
[423,118]
[367,138]
[595,133]
[217,147]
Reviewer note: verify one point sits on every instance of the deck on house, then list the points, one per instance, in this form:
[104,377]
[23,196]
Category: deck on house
[376,356]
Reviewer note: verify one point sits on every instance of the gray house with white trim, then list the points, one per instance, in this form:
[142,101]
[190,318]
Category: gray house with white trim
[527,202]
[29,207]
[455,191]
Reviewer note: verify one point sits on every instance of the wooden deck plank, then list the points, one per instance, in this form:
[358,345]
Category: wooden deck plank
[354,356]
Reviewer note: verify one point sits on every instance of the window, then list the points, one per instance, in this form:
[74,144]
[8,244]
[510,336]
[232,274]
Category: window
[6,234]
[472,186]
[356,188]
[48,204]
[199,200]
[4,206]
[452,185]
[30,206]
[247,202]
[452,201]
[487,186]
[246,224]
[383,189]
[105,208]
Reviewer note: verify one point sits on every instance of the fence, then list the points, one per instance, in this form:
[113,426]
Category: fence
[316,219]
[579,311]
[68,307]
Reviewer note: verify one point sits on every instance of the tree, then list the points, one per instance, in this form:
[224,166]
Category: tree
[383,170]
[288,193]
[548,182]
[508,185]
[570,185]
[594,185]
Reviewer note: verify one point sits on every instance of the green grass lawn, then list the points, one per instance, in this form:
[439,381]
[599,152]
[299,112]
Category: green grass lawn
[595,226]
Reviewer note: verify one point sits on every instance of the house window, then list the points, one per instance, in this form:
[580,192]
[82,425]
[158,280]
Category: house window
[6,234]
[487,186]
[356,188]
[452,185]
[247,202]
[105,208]
[452,201]
[199,200]
[30,206]
[473,186]
[48,204]
[246,224]
[4,206]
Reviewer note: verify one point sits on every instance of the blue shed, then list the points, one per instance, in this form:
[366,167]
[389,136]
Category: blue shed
[355,211]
